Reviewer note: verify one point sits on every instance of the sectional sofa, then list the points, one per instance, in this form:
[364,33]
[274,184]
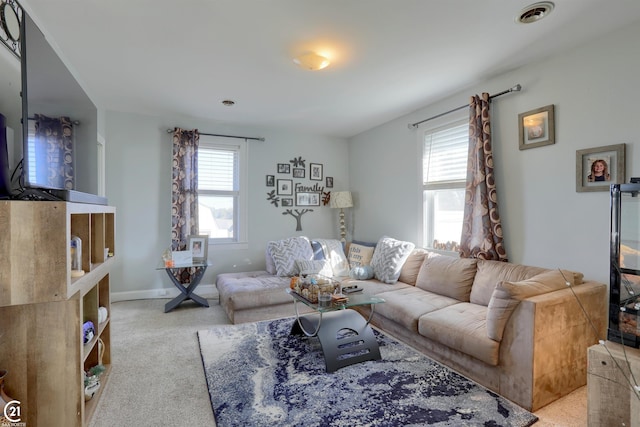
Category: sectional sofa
[520,331]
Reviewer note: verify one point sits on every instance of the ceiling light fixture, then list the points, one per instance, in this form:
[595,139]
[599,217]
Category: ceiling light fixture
[312,61]
[228,103]
[535,12]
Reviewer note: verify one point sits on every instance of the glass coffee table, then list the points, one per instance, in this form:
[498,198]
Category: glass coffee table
[345,336]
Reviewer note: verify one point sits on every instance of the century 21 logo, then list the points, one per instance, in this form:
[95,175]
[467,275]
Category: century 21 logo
[12,411]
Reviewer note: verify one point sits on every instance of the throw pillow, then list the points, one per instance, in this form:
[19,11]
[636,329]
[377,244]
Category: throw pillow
[285,253]
[364,272]
[314,267]
[359,255]
[271,265]
[507,295]
[389,257]
[448,276]
[411,267]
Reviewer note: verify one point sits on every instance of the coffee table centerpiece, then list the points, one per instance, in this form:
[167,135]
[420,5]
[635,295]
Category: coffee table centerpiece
[345,336]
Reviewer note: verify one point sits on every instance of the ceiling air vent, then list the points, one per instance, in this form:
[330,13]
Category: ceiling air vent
[535,12]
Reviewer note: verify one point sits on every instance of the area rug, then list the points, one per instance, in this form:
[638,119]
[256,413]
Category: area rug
[260,375]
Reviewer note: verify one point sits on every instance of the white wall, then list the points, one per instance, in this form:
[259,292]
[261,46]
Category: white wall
[138,157]
[545,221]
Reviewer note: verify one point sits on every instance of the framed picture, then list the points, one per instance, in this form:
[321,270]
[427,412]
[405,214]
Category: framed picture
[284,168]
[198,246]
[307,199]
[285,187]
[598,168]
[287,202]
[315,171]
[329,182]
[537,127]
[270,181]
[298,172]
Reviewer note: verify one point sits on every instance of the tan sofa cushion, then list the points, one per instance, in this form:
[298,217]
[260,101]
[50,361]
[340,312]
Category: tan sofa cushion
[490,273]
[507,295]
[448,276]
[462,327]
[412,265]
[405,306]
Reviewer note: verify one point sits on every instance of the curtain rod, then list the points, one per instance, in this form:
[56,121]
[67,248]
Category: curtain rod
[225,136]
[415,125]
[75,122]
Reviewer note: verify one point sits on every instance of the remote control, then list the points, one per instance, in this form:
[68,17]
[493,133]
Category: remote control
[351,290]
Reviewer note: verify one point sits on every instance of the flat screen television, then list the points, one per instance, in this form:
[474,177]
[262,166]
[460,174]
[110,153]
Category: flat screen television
[59,126]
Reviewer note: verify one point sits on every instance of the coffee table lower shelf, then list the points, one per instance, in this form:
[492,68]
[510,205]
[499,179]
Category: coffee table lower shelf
[345,336]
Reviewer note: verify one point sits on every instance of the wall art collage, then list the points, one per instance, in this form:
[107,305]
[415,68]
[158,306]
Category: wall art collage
[296,184]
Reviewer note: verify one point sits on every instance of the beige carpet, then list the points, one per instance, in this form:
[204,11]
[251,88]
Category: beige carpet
[157,378]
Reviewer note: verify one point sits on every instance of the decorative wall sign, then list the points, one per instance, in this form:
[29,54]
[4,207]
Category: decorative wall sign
[296,190]
[315,172]
[598,168]
[285,187]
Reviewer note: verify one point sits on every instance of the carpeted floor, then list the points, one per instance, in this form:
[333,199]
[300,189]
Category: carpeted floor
[258,374]
[157,377]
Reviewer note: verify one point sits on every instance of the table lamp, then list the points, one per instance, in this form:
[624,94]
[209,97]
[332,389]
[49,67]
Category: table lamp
[341,200]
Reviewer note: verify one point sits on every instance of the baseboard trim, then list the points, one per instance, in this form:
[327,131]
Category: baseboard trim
[205,291]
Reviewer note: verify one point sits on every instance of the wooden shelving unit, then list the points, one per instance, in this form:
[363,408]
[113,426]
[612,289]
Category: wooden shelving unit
[42,308]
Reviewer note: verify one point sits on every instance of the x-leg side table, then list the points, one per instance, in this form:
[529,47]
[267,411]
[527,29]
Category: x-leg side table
[186,292]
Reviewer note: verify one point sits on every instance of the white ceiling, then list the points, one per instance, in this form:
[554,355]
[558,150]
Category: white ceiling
[389,57]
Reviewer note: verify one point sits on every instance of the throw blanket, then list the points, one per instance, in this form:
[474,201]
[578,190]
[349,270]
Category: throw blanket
[334,253]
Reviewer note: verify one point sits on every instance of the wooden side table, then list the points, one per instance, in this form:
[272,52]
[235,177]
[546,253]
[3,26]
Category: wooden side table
[611,400]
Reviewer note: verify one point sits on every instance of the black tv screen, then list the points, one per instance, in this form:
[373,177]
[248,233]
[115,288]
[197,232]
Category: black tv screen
[59,120]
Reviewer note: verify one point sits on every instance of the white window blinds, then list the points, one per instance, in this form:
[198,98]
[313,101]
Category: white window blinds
[445,154]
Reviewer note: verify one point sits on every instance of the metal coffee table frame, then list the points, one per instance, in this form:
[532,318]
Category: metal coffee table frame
[345,336]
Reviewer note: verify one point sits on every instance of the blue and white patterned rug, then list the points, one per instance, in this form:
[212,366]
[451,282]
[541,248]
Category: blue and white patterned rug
[259,375]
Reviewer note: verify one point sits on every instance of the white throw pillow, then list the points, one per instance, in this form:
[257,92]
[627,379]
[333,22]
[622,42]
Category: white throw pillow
[271,265]
[389,257]
[285,253]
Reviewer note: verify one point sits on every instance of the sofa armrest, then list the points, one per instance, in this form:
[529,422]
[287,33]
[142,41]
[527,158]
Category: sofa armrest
[545,342]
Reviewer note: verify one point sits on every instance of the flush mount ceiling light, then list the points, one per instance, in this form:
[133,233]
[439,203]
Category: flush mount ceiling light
[228,103]
[535,12]
[312,61]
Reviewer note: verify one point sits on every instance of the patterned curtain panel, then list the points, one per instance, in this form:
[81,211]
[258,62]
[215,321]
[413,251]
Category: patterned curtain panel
[184,193]
[481,227]
[56,134]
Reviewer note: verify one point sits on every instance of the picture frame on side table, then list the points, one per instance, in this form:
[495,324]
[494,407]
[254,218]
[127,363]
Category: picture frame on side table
[198,245]
[598,168]
[537,127]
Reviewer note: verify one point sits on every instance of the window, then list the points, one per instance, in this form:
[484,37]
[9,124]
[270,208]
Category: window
[444,172]
[222,189]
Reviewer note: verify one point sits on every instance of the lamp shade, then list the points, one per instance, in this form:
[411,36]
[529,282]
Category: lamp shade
[341,199]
